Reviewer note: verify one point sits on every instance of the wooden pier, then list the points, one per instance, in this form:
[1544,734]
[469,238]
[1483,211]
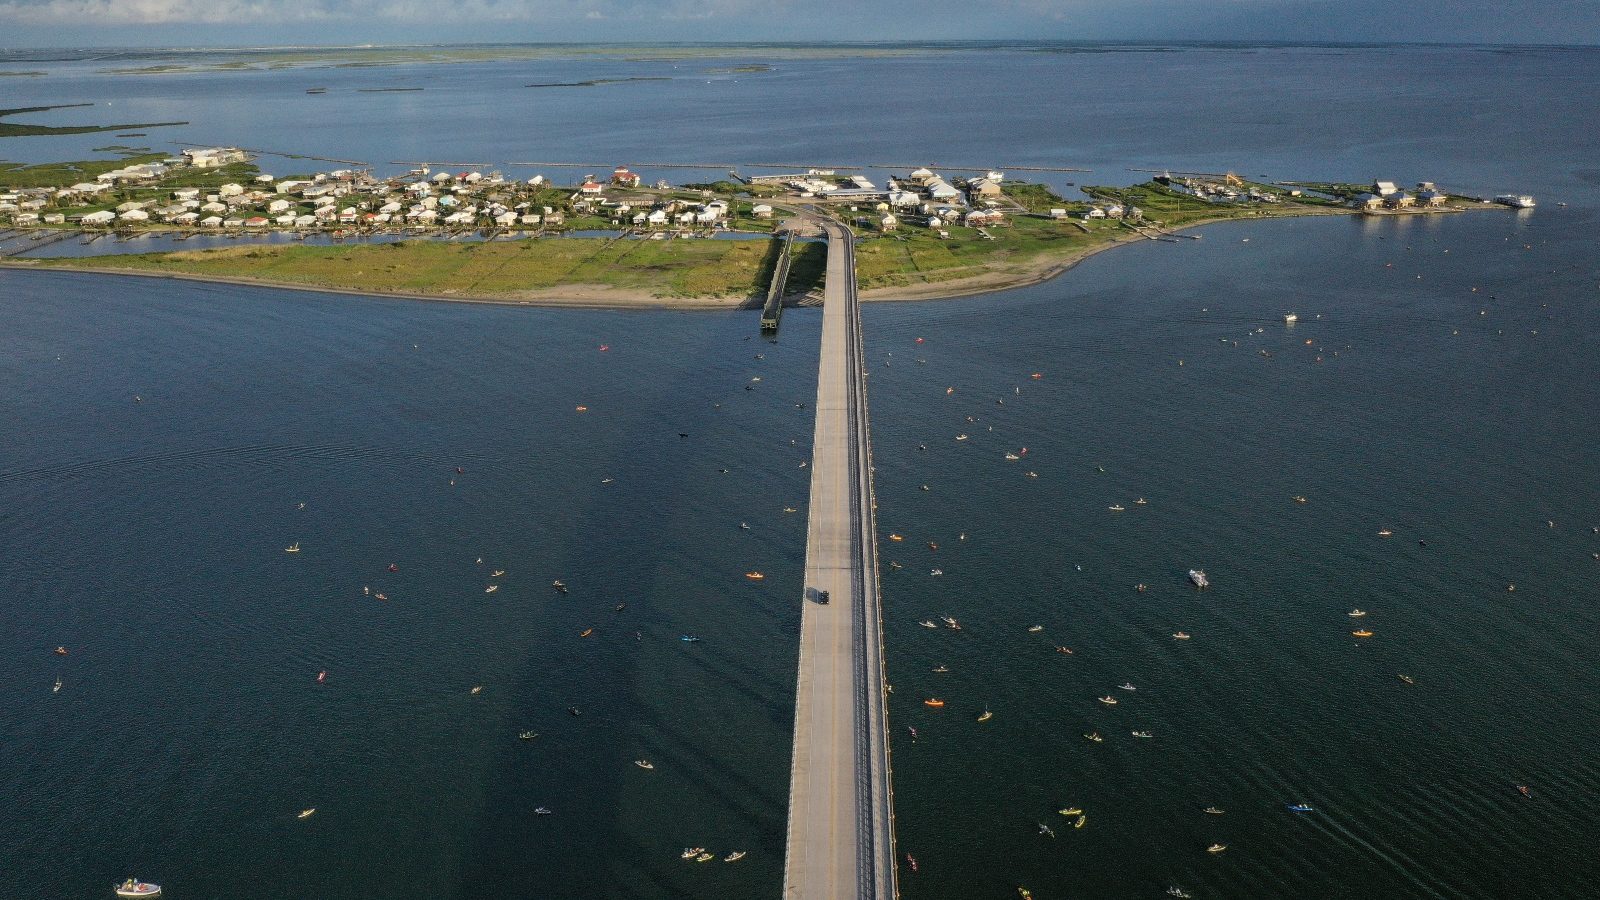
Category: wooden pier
[772,310]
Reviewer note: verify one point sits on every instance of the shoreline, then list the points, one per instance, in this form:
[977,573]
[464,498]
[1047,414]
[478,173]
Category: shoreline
[594,296]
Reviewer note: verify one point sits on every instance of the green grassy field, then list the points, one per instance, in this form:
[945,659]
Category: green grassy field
[676,268]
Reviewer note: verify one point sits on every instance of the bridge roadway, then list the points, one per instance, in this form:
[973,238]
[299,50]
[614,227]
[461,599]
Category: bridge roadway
[841,819]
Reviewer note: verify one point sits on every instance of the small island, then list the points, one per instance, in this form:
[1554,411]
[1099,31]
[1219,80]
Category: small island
[613,240]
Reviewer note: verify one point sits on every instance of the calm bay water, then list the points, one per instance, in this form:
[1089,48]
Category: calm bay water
[147,535]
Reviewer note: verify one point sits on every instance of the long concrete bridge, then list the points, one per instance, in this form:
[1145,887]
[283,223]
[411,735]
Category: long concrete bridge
[841,812]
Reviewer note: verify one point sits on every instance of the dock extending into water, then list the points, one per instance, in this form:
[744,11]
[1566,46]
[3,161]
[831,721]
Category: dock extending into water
[772,310]
[840,840]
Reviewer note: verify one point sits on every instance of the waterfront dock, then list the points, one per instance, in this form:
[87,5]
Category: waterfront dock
[841,823]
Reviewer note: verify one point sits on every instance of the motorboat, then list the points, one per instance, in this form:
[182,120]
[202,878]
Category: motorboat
[380,596]
[1070,811]
[1035,629]
[574,711]
[985,716]
[1362,632]
[1290,319]
[491,588]
[1046,829]
[1024,893]
[61,651]
[1127,686]
[1299,807]
[928,623]
[586,632]
[1094,736]
[1109,700]
[790,509]
[306,813]
[645,764]
[1216,848]
[688,638]
[896,537]
[620,607]
[911,861]
[692,852]
[1198,578]
[57,688]
[1012,456]
[1143,734]
[1407,679]
[935,572]
[961,437]
[1356,613]
[940,670]
[542,811]
[934,702]
[1180,635]
[754,576]
[1299,498]
[1080,821]
[527,735]
[133,887]
[705,857]
[949,620]
[292,548]
[497,573]
[559,585]
[735,856]
[1212,811]
[1116,507]
[1175,891]
[1385,533]
[1140,502]
[477,689]
[1064,650]
[322,677]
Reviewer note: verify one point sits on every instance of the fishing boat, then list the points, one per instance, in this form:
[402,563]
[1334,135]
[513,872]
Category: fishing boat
[961,437]
[1109,700]
[1385,533]
[1362,632]
[940,670]
[1127,686]
[1175,891]
[645,764]
[1290,319]
[1012,456]
[380,596]
[1407,679]
[1140,502]
[1216,848]
[1046,829]
[1198,578]
[790,509]
[527,735]
[133,887]
[1356,613]
[1180,635]
[306,813]
[292,548]
[1080,821]
[542,811]
[705,857]
[1299,807]
[491,588]
[1094,736]
[1143,734]
[497,573]
[1212,811]
[985,716]
[57,688]
[574,711]
[948,620]
[735,856]
[935,572]
[911,861]
[1035,629]
[1116,507]
[896,537]
[692,852]
[1070,811]
[559,585]
[688,638]
[934,702]
[620,607]
[754,576]
[61,651]
[477,689]
[1024,893]
[1523,790]
[1065,650]
[1299,498]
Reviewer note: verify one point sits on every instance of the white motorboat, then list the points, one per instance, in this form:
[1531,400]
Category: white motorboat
[133,887]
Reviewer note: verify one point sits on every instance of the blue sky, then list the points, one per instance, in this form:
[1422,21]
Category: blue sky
[25,23]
